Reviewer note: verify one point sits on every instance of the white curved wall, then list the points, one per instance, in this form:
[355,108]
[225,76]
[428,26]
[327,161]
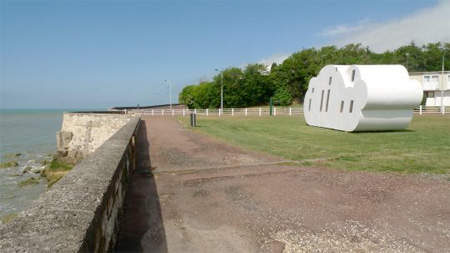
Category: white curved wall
[362,98]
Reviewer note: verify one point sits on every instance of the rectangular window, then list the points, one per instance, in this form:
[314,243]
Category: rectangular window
[434,79]
[309,106]
[431,79]
[342,105]
[429,94]
[321,101]
[353,75]
[329,81]
[350,110]
[328,100]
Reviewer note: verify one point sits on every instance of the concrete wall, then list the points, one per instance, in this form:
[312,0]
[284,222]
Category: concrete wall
[79,213]
[82,133]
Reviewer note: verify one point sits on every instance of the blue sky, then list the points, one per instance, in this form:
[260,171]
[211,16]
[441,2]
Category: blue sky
[99,54]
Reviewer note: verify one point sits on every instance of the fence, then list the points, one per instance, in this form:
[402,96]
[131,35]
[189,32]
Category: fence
[262,111]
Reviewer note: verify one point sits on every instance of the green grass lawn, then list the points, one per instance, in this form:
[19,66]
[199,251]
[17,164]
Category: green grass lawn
[423,147]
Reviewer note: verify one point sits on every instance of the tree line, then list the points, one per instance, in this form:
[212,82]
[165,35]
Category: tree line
[256,83]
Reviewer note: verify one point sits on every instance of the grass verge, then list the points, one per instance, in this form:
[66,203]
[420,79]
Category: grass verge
[423,148]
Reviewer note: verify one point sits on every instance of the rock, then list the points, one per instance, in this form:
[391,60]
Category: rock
[7,218]
[45,163]
[29,181]
[28,168]
[37,169]
[13,155]
[9,164]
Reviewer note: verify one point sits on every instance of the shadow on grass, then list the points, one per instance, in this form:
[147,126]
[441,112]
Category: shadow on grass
[141,228]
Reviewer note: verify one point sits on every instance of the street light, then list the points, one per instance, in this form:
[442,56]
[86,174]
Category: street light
[442,83]
[170,93]
[221,90]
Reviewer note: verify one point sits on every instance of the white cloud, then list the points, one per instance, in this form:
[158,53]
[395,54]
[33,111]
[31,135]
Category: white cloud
[428,25]
[343,29]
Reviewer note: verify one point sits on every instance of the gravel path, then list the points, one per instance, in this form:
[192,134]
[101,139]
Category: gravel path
[203,195]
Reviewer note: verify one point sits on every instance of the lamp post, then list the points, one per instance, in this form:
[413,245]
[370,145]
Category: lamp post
[407,61]
[221,90]
[442,84]
[170,93]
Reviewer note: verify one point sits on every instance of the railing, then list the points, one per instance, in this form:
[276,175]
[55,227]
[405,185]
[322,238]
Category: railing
[79,213]
[261,111]
[432,110]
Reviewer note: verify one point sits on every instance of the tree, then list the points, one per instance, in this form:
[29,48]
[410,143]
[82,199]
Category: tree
[282,97]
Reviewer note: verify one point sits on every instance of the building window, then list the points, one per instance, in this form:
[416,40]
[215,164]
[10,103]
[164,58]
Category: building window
[353,75]
[431,79]
[429,94]
[350,110]
[342,105]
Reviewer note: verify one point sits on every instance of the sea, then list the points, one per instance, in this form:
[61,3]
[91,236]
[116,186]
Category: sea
[27,137]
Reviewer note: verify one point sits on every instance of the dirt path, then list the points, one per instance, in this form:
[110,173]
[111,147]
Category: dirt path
[206,196]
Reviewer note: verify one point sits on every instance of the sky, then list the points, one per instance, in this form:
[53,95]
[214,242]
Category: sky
[100,54]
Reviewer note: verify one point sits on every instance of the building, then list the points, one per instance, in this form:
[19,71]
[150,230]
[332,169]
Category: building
[436,87]
[355,98]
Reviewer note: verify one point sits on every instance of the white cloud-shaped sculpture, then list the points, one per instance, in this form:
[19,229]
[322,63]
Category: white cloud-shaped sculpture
[362,98]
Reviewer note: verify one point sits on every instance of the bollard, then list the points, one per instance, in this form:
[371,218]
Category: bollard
[193,120]
[246,112]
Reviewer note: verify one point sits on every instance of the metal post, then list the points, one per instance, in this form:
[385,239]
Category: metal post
[442,85]
[221,91]
[170,92]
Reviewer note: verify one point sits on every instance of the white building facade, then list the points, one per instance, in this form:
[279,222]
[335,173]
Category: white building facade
[436,87]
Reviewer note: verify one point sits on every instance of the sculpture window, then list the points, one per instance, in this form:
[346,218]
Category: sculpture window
[309,106]
[321,101]
[353,75]
[328,100]
[342,105]
[350,110]
[329,81]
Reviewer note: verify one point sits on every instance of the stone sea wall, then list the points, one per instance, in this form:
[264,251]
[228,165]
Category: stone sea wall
[79,213]
[82,133]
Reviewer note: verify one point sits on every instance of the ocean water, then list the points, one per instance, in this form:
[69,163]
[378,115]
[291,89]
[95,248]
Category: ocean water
[32,134]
